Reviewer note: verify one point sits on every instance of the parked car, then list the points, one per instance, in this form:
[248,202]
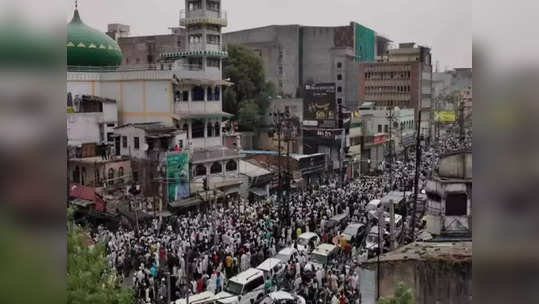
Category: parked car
[354,232]
[244,288]
[272,267]
[307,241]
[286,254]
[282,297]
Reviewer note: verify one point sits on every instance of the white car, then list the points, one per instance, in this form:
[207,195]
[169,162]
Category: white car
[272,267]
[352,231]
[206,297]
[305,239]
[282,297]
[286,254]
[244,288]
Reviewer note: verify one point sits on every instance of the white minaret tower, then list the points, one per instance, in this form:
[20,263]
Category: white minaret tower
[198,73]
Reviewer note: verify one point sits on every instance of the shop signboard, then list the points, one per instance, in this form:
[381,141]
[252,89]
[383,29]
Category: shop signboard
[319,104]
[444,116]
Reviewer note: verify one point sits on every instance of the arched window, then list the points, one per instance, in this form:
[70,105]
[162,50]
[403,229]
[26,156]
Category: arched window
[217,129]
[339,89]
[198,94]
[120,175]
[209,93]
[209,129]
[231,165]
[76,175]
[339,65]
[83,177]
[216,168]
[111,176]
[200,170]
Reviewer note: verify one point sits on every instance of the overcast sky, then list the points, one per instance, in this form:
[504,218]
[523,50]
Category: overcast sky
[444,25]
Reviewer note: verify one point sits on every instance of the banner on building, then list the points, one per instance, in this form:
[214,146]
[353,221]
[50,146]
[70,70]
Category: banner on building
[445,116]
[177,176]
[319,105]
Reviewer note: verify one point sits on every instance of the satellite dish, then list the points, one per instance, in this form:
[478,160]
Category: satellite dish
[145,147]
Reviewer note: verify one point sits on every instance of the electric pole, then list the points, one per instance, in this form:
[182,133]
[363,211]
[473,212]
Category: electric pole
[416,178]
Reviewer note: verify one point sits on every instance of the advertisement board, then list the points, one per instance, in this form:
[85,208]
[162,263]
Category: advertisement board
[319,105]
[177,165]
[445,116]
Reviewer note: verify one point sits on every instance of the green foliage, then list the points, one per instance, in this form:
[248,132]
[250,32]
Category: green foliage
[89,279]
[250,117]
[249,96]
[403,295]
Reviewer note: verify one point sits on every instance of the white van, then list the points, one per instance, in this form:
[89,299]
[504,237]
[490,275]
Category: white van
[286,254]
[322,255]
[305,239]
[244,288]
[272,267]
[206,297]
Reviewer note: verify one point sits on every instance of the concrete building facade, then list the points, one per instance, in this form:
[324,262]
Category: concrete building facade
[402,77]
[295,55]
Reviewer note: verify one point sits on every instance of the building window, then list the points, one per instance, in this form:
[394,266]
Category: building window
[110,136]
[339,100]
[120,175]
[217,93]
[83,176]
[76,175]
[200,170]
[217,129]
[111,176]
[124,141]
[186,128]
[135,176]
[209,93]
[339,89]
[456,204]
[339,77]
[198,94]
[185,96]
[339,65]
[136,142]
[231,165]
[379,128]
[213,62]
[213,39]
[197,128]
[209,129]
[216,168]
[386,129]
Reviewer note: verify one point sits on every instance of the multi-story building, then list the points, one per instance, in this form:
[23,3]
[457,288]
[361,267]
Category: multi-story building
[378,132]
[403,78]
[182,89]
[295,55]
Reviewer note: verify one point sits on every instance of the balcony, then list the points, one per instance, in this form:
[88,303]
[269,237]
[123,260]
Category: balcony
[201,16]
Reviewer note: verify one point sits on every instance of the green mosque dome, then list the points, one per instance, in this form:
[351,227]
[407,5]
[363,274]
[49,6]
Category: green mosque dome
[89,47]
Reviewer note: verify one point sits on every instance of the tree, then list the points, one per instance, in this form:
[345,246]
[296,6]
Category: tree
[244,68]
[250,117]
[403,295]
[89,279]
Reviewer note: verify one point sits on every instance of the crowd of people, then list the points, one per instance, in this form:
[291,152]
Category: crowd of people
[200,251]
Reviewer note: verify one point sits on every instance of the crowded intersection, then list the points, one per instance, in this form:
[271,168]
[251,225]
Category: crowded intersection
[307,250]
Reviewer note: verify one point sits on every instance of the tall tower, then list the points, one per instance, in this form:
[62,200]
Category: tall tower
[198,73]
